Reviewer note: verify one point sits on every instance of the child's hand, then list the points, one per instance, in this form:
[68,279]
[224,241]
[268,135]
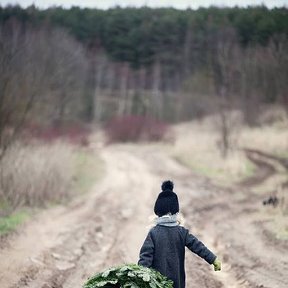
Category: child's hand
[217,265]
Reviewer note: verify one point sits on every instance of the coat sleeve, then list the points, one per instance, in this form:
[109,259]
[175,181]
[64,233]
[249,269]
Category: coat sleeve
[196,246]
[147,252]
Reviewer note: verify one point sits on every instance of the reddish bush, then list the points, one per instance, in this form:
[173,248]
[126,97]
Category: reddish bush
[134,128]
[76,134]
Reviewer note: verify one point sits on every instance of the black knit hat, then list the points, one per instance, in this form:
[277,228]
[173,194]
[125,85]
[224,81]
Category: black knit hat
[167,201]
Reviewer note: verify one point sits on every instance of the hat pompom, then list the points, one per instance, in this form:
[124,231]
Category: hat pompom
[167,200]
[167,185]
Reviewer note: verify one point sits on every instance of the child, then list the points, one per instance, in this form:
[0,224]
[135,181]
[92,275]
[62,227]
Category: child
[164,246]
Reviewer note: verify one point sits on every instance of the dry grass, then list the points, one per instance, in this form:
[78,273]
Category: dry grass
[197,147]
[37,175]
[34,175]
[272,139]
[272,136]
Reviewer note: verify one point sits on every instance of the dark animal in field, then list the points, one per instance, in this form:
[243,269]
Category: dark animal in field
[272,200]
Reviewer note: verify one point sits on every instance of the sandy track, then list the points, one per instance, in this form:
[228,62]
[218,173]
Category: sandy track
[65,245]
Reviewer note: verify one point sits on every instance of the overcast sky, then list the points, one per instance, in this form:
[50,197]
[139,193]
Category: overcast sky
[181,4]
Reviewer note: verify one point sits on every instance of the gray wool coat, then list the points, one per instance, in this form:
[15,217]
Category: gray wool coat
[164,250]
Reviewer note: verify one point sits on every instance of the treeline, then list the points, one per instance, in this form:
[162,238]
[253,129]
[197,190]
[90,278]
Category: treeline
[171,64]
[137,35]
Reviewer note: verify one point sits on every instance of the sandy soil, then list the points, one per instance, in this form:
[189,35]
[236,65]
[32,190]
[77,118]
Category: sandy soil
[63,246]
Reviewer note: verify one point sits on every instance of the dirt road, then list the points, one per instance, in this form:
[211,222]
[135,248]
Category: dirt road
[66,245]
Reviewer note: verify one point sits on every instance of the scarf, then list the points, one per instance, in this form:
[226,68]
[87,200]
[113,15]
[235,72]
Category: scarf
[167,220]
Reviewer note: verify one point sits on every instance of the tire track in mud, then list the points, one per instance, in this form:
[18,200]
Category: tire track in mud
[52,267]
[263,171]
[255,260]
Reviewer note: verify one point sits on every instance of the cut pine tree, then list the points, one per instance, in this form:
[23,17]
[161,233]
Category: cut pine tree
[129,276]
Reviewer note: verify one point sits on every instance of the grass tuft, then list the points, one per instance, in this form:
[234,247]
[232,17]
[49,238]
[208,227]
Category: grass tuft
[9,223]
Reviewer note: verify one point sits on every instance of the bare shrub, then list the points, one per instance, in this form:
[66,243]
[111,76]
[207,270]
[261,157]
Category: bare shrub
[135,128]
[77,134]
[35,175]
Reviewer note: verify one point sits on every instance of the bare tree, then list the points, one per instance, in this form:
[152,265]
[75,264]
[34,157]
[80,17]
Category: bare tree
[277,54]
[123,89]
[42,74]
[224,64]
[21,81]
[157,95]
[67,76]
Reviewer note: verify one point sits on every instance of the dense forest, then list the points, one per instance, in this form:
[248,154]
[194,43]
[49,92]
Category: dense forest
[59,65]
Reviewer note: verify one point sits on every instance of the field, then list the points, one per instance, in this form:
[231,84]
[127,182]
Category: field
[221,201]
